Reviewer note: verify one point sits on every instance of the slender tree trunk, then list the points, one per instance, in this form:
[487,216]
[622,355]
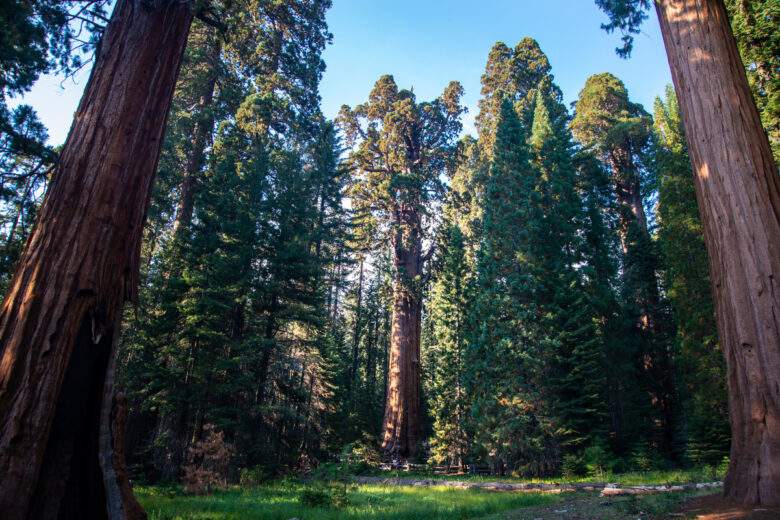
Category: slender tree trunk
[59,320]
[19,212]
[352,383]
[371,358]
[201,133]
[738,190]
[401,425]
[265,359]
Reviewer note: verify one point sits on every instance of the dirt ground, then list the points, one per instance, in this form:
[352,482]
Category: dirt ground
[714,507]
[682,506]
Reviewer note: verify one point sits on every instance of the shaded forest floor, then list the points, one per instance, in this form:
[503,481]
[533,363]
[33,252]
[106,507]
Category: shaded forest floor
[591,506]
[699,505]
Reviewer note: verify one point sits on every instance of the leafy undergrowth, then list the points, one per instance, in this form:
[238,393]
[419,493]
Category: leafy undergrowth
[637,478]
[282,501]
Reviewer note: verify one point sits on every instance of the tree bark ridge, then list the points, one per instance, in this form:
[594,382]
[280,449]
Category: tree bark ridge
[738,190]
[59,318]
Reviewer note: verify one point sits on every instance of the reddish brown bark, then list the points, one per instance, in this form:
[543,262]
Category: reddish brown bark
[738,190]
[401,425]
[59,321]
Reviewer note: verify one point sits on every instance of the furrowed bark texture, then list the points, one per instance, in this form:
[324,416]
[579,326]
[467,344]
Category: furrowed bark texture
[59,321]
[401,424]
[738,190]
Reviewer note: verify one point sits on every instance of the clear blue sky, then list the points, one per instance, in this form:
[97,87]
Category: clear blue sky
[427,43]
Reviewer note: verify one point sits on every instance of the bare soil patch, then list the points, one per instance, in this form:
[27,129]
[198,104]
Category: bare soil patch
[715,507]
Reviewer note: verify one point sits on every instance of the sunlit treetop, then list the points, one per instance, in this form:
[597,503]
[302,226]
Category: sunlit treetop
[400,146]
[516,75]
[606,119]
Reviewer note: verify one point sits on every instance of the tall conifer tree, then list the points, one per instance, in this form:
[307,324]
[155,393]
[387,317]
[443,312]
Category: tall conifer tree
[401,149]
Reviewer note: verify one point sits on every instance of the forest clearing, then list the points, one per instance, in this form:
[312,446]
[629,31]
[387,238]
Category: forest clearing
[409,503]
[260,259]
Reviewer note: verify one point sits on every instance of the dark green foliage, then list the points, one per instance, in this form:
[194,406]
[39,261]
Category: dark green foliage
[251,318]
[533,239]
[39,36]
[25,167]
[575,368]
[627,17]
[233,325]
[617,132]
[755,23]
[515,75]
[556,307]
[509,425]
[324,496]
[448,314]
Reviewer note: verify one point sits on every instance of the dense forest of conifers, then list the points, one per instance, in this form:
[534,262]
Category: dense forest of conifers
[535,298]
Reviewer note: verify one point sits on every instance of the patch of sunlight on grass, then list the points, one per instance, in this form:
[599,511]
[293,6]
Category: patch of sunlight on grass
[370,502]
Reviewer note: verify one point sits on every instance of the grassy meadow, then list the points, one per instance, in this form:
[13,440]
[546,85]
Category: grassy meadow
[292,499]
[282,501]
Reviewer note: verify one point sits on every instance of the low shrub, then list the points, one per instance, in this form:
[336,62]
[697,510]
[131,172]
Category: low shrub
[573,466]
[254,476]
[642,458]
[324,496]
[207,463]
[360,456]
[598,461]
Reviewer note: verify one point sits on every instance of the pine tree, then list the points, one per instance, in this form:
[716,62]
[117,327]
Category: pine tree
[25,165]
[516,75]
[625,400]
[576,356]
[618,131]
[509,423]
[239,241]
[448,312]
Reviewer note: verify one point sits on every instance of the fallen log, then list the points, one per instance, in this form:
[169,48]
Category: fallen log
[613,489]
[606,489]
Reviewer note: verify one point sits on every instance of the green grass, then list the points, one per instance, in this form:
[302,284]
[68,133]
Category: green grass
[678,476]
[280,501]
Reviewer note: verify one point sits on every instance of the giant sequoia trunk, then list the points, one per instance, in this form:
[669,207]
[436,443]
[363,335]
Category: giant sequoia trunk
[738,190]
[640,275]
[401,425]
[59,321]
